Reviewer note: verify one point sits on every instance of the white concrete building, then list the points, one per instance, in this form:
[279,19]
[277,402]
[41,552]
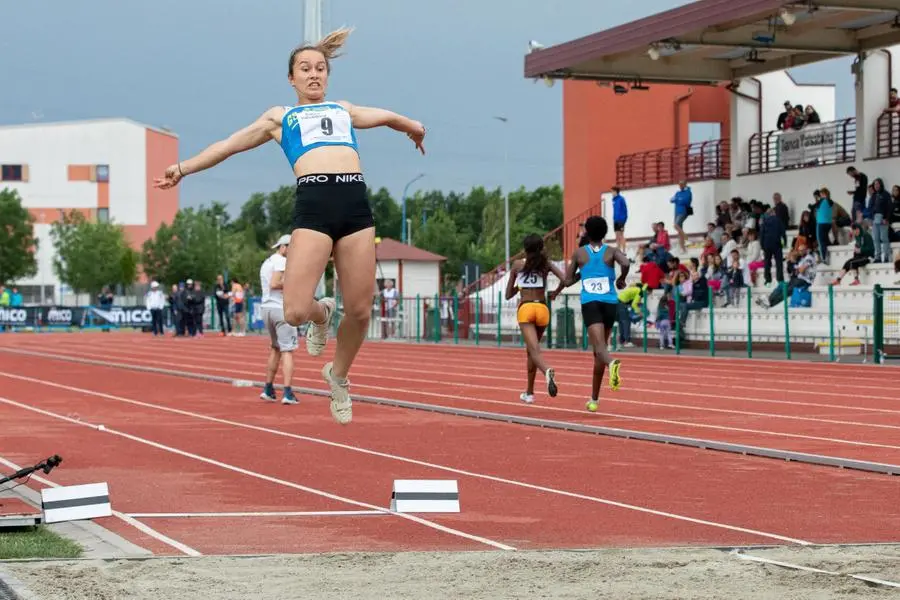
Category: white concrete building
[103,168]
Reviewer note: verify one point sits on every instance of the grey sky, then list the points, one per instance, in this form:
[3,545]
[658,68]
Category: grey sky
[206,67]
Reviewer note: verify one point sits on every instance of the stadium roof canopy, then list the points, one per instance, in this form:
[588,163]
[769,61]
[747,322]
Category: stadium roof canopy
[712,41]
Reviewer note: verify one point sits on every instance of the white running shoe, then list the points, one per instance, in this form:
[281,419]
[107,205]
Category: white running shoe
[526,397]
[316,334]
[341,405]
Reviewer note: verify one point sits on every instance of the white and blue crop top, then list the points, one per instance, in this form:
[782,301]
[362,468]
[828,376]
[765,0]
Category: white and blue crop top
[313,125]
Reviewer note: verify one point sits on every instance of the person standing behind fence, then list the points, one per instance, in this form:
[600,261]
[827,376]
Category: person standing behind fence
[282,335]
[237,297]
[824,211]
[881,218]
[187,308]
[198,307]
[390,297]
[156,304]
[223,301]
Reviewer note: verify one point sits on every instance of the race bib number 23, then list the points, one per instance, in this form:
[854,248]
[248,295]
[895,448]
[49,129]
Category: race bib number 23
[596,285]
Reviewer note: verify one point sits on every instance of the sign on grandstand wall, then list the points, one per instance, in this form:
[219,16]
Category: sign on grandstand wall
[121,316]
[813,143]
[18,316]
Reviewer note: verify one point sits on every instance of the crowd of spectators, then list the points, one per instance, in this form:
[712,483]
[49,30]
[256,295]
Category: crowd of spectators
[186,304]
[797,117]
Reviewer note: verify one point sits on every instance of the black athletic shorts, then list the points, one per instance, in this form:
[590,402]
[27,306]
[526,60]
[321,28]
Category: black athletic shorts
[599,312]
[618,225]
[334,204]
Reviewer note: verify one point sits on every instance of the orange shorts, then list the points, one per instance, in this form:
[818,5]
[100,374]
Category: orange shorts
[534,312]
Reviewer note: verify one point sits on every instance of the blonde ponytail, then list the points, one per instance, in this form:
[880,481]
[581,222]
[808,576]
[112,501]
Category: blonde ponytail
[328,46]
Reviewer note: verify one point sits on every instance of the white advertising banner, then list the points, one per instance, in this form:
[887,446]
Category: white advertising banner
[813,143]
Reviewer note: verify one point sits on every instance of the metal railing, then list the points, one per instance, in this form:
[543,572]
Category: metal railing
[559,243]
[668,166]
[888,135]
[813,146]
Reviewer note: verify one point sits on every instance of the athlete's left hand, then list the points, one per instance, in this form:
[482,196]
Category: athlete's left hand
[620,283]
[418,136]
[170,179]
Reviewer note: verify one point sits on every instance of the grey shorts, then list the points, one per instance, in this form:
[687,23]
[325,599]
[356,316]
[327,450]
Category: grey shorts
[282,333]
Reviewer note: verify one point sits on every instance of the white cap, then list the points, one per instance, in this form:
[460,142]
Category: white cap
[189,281]
[154,284]
[284,240]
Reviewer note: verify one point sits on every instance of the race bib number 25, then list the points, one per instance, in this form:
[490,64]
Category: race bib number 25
[596,285]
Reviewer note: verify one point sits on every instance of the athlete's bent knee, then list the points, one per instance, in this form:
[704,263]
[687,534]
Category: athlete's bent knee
[297,313]
[359,313]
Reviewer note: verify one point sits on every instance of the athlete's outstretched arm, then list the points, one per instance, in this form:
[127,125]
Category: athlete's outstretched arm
[256,134]
[366,117]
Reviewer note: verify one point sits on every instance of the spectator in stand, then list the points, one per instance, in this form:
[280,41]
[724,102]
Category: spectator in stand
[682,201]
[862,255]
[156,304]
[620,217]
[812,117]
[798,118]
[709,249]
[806,231]
[753,257]
[860,213]
[783,117]
[893,102]
[783,214]
[390,296]
[803,278]
[860,192]
[895,214]
[723,215]
[771,235]
[716,233]
[882,209]
[737,213]
[664,322]
[652,275]
[824,211]
[730,245]
[697,300]
[223,300]
[735,277]
[717,275]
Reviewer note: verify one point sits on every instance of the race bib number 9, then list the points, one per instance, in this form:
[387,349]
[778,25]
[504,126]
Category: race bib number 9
[329,125]
[596,285]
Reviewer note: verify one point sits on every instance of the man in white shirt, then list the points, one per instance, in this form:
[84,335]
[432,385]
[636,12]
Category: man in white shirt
[283,336]
[802,279]
[156,303]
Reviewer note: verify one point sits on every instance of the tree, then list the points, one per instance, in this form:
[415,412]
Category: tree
[190,248]
[439,235]
[91,255]
[243,256]
[17,244]
[387,214]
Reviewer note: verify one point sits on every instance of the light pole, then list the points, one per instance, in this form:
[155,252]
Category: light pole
[505,120]
[404,233]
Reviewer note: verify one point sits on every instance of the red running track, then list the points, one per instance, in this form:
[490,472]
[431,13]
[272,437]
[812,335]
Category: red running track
[178,445]
[846,411]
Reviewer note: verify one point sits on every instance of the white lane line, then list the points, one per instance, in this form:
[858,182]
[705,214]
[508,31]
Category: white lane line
[260,476]
[234,515]
[447,469]
[183,548]
[787,565]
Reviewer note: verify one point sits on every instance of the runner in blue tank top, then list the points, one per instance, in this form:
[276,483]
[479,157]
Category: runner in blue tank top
[599,299]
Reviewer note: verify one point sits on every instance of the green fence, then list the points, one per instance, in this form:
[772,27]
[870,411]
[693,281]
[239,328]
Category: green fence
[743,328]
[886,324]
